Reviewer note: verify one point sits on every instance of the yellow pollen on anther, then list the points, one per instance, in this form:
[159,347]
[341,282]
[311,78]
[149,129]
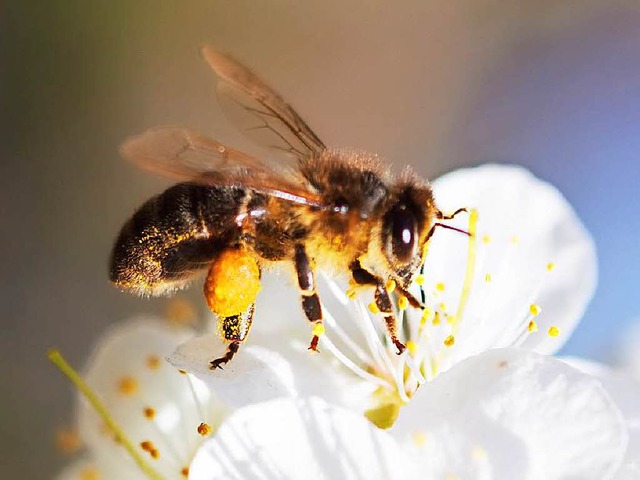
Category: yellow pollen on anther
[127,385]
[426,314]
[486,239]
[550,266]
[419,438]
[390,285]
[554,331]
[351,293]
[403,303]
[440,286]
[535,309]
[487,278]
[150,448]
[89,473]
[204,429]
[451,319]
[533,326]
[149,413]
[373,308]
[184,472]
[153,362]
[318,329]
[436,319]
[420,280]
[411,346]
[449,341]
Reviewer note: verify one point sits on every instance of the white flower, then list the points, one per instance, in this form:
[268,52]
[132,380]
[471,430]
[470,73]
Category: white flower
[522,280]
[527,416]
[164,413]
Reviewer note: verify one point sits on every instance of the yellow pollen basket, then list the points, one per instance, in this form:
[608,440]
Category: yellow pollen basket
[233,283]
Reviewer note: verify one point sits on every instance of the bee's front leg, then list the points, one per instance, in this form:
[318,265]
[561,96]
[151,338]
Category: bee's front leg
[310,300]
[382,301]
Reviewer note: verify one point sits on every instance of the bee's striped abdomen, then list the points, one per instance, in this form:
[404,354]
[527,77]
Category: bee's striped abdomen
[174,235]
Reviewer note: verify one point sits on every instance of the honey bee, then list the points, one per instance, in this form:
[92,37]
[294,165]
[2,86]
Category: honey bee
[235,215]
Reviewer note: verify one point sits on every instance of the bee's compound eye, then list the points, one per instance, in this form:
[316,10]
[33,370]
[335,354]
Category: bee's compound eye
[402,225]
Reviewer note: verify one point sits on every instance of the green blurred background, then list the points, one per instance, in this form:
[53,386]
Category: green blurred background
[553,85]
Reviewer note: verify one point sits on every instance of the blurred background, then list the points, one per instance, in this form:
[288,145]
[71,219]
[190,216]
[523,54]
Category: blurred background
[552,85]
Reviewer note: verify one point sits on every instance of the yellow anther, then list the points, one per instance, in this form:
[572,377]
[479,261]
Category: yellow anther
[184,472]
[390,285]
[403,303]
[486,239]
[487,278]
[373,308]
[153,362]
[426,313]
[515,239]
[533,326]
[419,438]
[436,319]
[89,473]
[554,331]
[204,429]
[352,293]
[420,280]
[411,346]
[127,385]
[318,329]
[440,287]
[150,448]
[443,306]
[182,372]
[449,341]
[451,319]
[535,309]
[550,266]
[149,413]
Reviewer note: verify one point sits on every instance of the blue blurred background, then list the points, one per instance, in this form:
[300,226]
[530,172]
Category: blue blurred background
[551,85]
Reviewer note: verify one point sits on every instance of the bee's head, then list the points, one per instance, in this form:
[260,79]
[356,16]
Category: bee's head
[405,226]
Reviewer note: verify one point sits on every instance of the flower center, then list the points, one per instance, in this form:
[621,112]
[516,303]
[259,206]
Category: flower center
[457,322]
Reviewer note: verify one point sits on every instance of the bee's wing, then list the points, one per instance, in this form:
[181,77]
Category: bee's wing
[259,111]
[186,155]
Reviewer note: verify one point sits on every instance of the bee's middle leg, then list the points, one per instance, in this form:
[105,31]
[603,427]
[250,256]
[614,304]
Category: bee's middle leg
[382,300]
[310,300]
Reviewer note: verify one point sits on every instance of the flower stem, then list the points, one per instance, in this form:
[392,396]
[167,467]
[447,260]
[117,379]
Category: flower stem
[58,360]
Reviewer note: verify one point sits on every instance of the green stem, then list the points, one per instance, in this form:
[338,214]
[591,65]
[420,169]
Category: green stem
[57,359]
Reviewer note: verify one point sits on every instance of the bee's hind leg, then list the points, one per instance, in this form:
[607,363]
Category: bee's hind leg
[233,329]
[231,288]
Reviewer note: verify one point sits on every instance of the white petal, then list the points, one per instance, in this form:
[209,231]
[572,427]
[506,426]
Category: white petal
[128,371]
[299,438]
[511,413]
[531,250]
[625,391]
[265,368]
